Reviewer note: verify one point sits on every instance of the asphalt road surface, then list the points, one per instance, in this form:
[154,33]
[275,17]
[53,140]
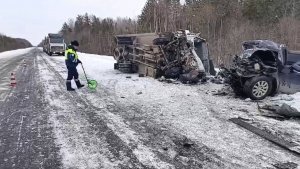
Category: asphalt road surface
[26,138]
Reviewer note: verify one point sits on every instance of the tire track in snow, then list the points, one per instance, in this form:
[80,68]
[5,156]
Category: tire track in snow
[197,156]
[132,140]
[80,147]
[105,149]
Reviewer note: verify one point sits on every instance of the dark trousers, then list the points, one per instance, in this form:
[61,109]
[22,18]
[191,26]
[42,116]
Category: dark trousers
[72,73]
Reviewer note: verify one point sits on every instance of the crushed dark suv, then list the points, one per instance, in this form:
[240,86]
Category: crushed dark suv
[264,68]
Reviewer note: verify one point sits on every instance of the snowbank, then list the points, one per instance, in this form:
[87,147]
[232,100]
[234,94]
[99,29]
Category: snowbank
[94,65]
[14,53]
[97,62]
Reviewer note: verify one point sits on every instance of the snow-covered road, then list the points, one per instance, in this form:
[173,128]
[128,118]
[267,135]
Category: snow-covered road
[9,62]
[133,122]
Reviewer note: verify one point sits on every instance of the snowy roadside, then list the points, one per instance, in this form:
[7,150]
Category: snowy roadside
[203,118]
[14,53]
[71,131]
[115,124]
[9,61]
[196,113]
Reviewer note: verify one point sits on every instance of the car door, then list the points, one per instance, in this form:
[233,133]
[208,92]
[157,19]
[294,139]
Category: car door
[289,80]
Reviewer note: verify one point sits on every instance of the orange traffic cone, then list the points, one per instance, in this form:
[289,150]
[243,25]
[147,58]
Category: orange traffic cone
[13,81]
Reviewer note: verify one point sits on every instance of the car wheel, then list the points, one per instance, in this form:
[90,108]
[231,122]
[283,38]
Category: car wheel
[258,88]
[125,70]
[116,66]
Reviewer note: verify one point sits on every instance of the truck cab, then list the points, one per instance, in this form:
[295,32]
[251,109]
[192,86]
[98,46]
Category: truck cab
[55,44]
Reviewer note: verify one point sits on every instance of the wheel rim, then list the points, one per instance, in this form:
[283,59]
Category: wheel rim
[260,89]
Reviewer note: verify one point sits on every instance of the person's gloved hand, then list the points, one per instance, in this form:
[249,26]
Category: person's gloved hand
[79,62]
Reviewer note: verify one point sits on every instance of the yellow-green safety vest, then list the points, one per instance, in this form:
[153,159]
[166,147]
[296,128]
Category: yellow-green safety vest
[68,51]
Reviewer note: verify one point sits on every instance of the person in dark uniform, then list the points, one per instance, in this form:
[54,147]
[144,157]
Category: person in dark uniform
[72,61]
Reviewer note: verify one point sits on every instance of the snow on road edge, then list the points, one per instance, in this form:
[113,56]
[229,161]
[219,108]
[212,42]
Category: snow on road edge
[79,147]
[13,53]
[116,123]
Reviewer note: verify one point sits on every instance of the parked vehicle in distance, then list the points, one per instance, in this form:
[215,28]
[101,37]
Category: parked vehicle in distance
[54,44]
[264,68]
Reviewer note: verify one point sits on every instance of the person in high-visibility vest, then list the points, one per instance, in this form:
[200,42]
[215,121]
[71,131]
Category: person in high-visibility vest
[72,61]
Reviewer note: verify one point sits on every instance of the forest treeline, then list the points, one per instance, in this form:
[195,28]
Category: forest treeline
[8,43]
[224,23]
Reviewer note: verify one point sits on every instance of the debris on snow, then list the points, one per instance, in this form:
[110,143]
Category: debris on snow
[287,165]
[283,110]
[248,100]
[284,105]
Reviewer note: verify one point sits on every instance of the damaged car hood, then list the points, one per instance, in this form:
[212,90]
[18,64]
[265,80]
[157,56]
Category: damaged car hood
[261,44]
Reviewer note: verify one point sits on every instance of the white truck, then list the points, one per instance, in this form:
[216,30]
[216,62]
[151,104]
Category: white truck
[54,44]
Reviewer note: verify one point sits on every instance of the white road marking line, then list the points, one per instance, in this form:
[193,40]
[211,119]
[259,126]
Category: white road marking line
[20,131]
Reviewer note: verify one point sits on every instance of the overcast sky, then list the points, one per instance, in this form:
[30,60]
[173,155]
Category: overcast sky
[33,19]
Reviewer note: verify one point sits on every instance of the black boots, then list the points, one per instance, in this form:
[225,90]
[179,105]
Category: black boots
[69,86]
[78,84]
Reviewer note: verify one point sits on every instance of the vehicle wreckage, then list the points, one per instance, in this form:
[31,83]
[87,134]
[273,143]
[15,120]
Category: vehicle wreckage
[178,55]
[264,68]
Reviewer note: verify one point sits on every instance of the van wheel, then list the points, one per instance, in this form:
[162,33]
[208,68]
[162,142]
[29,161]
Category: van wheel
[116,66]
[125,70]
[258,88]
[134,68]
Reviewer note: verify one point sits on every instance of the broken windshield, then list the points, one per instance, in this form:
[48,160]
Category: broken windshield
[247,53]
[267,44]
